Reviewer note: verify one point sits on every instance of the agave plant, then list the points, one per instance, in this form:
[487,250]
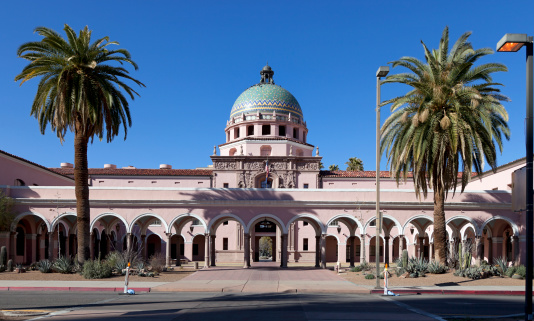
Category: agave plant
[63,265]
[44,266]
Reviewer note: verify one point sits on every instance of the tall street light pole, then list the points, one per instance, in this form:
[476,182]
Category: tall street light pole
[381,72]
[512,42]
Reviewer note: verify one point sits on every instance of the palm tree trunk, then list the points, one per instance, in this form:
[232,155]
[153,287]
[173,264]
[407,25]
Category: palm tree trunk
[81,182]
[440,232]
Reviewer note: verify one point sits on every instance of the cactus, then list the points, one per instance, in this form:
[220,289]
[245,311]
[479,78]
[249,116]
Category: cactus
[467,260]
[10,265]
[3,256]
[460,256]
[404,258]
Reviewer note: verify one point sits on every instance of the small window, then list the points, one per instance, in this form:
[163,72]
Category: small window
[130,182]
[250,130]
[305,223]
[225,223]
[228,136]
[304,137]
[155,223]
[334,223]
[305,244]
[306,185]
[19,182]
[236,132]
[266,129]
[225,244]
[295,133]
[225,185]
[154,182]
[196,221]
[282,131]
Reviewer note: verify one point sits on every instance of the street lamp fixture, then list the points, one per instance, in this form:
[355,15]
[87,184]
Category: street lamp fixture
[512,42]
[381,72]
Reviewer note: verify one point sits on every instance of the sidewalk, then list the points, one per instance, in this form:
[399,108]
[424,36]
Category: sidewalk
[262,278]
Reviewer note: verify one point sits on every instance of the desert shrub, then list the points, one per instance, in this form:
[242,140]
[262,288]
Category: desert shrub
[370,277]
[521,270]
[510,271]
[473,272]
[356,269]
[157,262]
[96,269]
[365,266]
[44,266]
[63,265]
[435,267]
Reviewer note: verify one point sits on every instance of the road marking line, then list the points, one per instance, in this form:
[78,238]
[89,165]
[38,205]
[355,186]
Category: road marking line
[69,310]
[418,311]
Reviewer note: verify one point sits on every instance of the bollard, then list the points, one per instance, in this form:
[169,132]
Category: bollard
[195,264]
[126,279]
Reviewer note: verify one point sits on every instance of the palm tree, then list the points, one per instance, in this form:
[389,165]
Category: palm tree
[78,91]
[452,115]
[333,168]
[354,164]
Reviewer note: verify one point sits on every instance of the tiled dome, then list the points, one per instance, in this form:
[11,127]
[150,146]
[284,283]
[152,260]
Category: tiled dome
[266,98]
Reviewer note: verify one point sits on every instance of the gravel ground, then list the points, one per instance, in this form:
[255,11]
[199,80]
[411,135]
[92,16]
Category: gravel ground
[432,280]
[36,275]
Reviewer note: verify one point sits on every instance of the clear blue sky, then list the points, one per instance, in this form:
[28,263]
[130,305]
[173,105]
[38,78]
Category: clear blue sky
[196,57]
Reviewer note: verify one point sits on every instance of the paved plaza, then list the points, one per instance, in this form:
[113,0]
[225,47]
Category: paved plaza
[261,278]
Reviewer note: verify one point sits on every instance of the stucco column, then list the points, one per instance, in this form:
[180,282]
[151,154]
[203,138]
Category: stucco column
[212,250]
[168,250]
[386,249]
[323,251]
[178,256]
[11,247]
[490,250]
[283,263]
[363,257]
[128,242]
[206,251]
[515,249]
[430,251]
[421,246]
[317,251]
[31,238]
[401,243]
[478,245]
[351,253]
[37,247]
[246,251]
[144,247]
[50,246]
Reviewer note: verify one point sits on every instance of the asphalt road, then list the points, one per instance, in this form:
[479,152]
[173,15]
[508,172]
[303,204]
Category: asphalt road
[272,307]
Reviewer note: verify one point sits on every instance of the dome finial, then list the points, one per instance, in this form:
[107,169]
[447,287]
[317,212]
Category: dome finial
[267,75]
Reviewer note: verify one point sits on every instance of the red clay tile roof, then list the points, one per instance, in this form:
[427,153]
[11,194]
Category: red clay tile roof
[138,172]
[34,164]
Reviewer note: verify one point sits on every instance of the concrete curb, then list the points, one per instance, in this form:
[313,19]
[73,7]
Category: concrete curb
[451,292]
[73,289]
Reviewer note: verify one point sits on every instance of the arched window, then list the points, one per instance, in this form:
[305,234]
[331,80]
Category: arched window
[19,182]
[265,150]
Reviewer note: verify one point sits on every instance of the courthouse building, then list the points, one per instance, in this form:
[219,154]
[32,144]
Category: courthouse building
[265,181]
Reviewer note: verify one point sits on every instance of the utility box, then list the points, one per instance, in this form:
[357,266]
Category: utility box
[519,190]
